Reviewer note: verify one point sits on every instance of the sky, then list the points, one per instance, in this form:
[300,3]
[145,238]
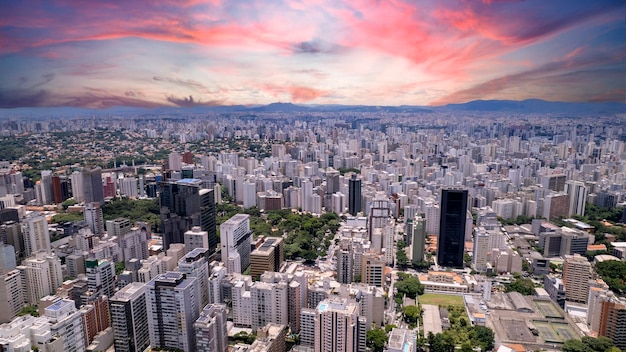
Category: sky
[186,53]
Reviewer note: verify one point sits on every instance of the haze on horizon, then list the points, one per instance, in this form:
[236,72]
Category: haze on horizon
[217,52]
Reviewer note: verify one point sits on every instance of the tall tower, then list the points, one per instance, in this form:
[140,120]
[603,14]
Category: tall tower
[92,185]
[94,218]
[418,243]
[577,192]
[345,263]
[354,195]
[236,239]
[452,228]
[210,329]
[100,276]
[184,204]
[129,318]
[172,309]
[36,234]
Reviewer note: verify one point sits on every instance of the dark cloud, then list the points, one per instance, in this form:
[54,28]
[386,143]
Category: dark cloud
[314,47]
[190,102]
[23,98]
[183,83]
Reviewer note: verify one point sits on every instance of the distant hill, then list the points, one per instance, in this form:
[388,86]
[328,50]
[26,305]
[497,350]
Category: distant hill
[512,106]
[538,106]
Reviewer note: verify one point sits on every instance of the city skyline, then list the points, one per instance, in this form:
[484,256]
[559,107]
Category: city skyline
[199,53]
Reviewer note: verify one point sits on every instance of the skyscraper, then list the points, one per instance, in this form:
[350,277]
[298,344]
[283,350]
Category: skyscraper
[418,243]
[129,318]
[36,234]
[345,263]
[236,238]
[92,185]
[184,204]
[172,303]
[354,195]
[452,228]
[94,218]
[576,275]
[211,330]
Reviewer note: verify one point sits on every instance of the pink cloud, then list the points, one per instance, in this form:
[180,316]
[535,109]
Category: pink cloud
[297,93]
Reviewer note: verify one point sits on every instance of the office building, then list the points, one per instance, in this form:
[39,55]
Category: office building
[236,239]
[94,218]
[338,327]
[354,195]
[211,330]
[196,238]
[11,233]
[134,244]
[402,340]
[172,303]
[576,275]
[92,185]
[41,276]
[451,241]
[482,249]
[373,270]
[129,318]
[267,257]
[185,204]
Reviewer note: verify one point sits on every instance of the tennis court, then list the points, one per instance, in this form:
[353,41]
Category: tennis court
[548,309]
[547,333]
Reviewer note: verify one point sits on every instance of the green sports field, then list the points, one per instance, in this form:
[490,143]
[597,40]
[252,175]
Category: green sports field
[440,300]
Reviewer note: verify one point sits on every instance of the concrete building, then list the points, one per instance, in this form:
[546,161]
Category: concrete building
[576,275]
[94,218]
[196,238]
[100,277]
[194,264]
[41,276]
[338,327]
[613,322]
[418,241]
[129,318]
[345,262]
[65,321]
[373,270]
[402,340]
[269,304]
[236,239]
[267,257]
[36,234]
[211,330]
[11,295]
[577,192]
[172,309]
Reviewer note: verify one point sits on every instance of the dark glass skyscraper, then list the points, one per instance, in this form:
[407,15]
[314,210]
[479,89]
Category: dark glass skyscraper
[452,228]
[185,204]
[92,185]
[354,195]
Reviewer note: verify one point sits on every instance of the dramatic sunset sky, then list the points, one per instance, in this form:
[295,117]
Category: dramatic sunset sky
[220,52]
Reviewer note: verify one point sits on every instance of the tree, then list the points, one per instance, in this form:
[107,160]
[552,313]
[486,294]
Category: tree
[411,313]
[599,344]
[29,310]
[443,342]
[376,339]
[485,337]
[521,285]
[410,286]
[119,267]
[575,346]
[390,327]
[401,257]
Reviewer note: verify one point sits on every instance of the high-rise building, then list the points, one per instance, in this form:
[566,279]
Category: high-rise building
[373,270]
[11,295]
[613,322]
[100,276]
[451,242]
[11,233]
[41,276]
[354,195]
[267,257]
[577,192]
[418,242]
[481,250]
[185,204]
[47,194]
[338,327]
[78,192]
[236,238]
[172,303]
[36,234]
[194,264]
[196,238]
[345,263]
[268,304]
[65,320]
[92,185]
[94,218]
[211,330]
[129,318]
[576,275]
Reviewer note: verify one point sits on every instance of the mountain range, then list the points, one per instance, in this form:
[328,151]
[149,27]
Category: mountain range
[505,106]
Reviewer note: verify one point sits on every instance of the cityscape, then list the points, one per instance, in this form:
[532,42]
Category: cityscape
[313,176]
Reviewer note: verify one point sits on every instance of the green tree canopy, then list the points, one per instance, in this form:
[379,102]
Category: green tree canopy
[521,285]
[376,339]
[410,286]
